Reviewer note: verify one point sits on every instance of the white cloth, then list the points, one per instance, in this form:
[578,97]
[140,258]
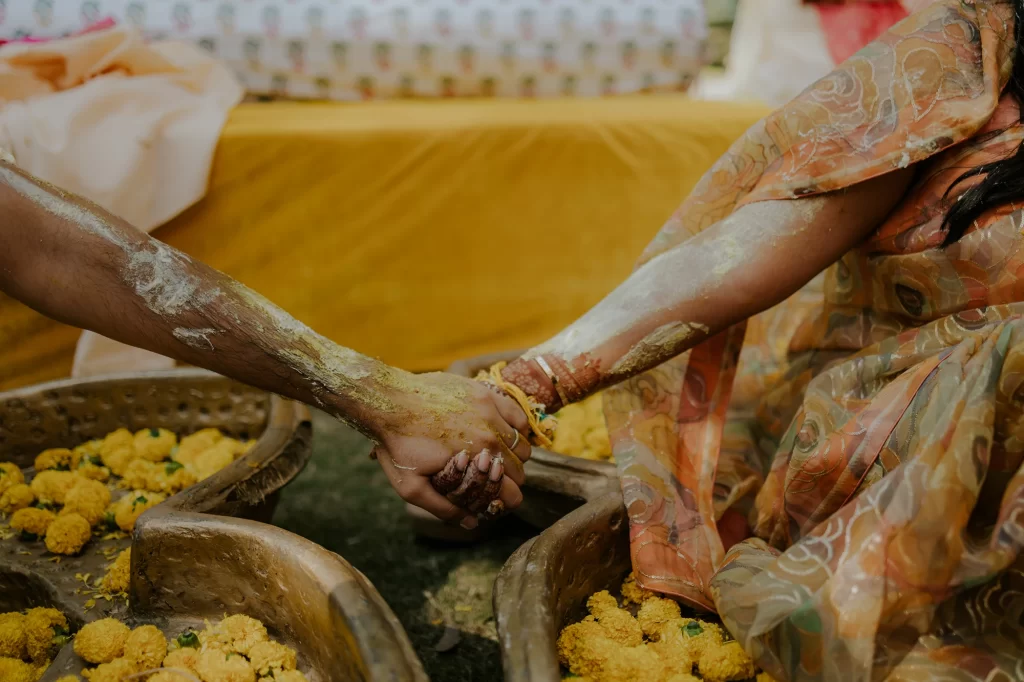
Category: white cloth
[130,126]
[777,49]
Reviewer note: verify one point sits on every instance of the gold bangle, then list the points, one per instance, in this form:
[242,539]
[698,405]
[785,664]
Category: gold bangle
[546,368]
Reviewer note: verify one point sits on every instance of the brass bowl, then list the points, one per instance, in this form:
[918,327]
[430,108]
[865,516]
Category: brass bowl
[545,584]
[63,414]
[555,484]
[187,564]
[309,598]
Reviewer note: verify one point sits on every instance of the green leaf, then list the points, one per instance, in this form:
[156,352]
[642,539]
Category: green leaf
[173,466]
[58,631]
[59,641]
[44,504]
[141,499]
[188,640]
[155,433]
[93,459]
[109,520]
[28,537]
[692,629]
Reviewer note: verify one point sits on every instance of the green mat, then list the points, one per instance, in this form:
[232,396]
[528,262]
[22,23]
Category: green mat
[343,501]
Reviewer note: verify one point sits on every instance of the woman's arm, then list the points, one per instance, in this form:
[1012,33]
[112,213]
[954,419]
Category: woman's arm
[738,267]
[74,262]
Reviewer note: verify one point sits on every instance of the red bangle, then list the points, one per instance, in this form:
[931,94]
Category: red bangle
[542,363]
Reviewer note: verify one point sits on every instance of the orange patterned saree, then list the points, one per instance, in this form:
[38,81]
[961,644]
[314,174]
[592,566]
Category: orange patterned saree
[872,426]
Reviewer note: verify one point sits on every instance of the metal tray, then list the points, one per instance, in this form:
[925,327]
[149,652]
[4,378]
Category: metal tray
[187,563]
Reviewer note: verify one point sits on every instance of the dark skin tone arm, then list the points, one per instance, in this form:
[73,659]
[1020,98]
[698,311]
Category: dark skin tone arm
[76,263]
[736,268]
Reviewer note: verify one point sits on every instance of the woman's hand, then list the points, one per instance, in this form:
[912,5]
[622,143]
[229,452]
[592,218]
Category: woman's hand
[452,446]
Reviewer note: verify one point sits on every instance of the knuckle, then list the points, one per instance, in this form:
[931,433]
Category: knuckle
[480,394]
[407,490]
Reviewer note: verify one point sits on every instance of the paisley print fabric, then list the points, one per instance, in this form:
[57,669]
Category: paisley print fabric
[872,426]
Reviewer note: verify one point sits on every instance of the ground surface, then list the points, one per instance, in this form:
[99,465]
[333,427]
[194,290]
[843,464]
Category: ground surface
[343,502]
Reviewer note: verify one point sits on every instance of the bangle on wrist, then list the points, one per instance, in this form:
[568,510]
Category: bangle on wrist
[542,425]
[555,383]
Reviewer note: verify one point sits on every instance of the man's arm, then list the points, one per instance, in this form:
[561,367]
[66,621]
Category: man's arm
[76,263]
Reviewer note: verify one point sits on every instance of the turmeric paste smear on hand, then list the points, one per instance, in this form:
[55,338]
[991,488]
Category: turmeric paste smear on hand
[642,636]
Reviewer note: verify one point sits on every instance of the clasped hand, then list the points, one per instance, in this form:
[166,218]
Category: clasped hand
[455,448]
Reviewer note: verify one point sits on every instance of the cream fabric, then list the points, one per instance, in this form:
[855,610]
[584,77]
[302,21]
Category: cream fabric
[131,126]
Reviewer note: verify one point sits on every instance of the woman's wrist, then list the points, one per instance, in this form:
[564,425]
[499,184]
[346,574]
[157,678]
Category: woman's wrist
[551,381]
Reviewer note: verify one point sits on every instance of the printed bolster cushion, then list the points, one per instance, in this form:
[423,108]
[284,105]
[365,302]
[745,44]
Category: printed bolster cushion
[365,49]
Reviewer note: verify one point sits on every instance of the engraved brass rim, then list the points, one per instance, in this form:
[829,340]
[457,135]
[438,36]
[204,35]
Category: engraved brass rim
[200,554]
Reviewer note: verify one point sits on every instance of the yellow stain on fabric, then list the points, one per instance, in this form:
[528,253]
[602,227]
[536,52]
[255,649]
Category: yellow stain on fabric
[379,224]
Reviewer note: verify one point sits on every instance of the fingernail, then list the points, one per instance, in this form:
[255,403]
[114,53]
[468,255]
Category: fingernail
[483,461]
[496,471]
[469,523]
[462,460]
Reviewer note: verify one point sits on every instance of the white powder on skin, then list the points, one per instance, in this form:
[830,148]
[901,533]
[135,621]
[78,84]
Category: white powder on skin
[659,291]
[730,255]
[173,288]
[157,273]
[195,338]
[162,279]
[651,290]
[325,356]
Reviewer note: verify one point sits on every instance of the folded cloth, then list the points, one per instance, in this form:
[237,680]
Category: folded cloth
[129,125]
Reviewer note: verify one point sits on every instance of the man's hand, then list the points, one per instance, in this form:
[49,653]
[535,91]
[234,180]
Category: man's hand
[453,446]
